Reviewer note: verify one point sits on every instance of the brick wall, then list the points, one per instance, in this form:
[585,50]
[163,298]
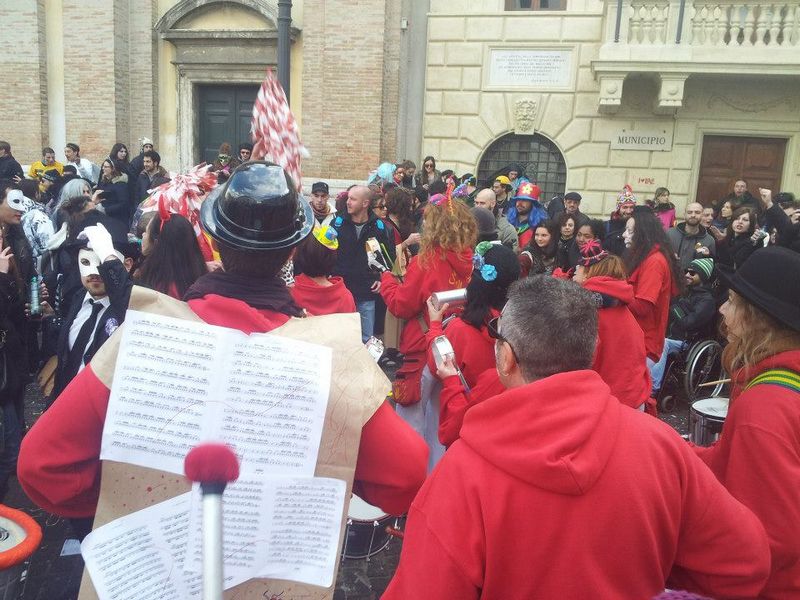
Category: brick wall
[142,71]
[23,58]
[391,83]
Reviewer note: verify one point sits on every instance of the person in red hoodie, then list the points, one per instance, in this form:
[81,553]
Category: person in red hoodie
[551,491]
[620,358]
[59,466]
[315,289]
[757,457]
[444,263]
[655,275]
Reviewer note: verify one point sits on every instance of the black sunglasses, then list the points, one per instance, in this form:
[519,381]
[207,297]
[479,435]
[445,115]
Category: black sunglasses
[493,326]
[691,272]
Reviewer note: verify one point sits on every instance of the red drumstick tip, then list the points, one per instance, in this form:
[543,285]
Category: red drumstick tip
[211,463]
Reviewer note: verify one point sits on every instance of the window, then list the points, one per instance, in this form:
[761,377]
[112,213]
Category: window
[539,158]
[536,4]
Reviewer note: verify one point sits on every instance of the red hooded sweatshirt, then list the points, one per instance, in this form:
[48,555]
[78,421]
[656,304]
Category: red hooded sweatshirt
[445,270]
[322,300]
[556,490]
[59,462]
[757,459]
[620,358]
[653,287]
[454,402]
[474,347]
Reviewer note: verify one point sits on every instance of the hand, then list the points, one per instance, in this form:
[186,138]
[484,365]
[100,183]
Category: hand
[702,250]
[43,293]
[413,239]
[16,178]
[5,260]
[375,288]
[214,265]
[435,314]
[375,264]
[448,367]
[766,198]
[757,236]
[99,240]
[45,310]
[718,235]
[96,199]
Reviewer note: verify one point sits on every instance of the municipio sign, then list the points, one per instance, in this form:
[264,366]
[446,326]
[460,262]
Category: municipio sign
[635,139]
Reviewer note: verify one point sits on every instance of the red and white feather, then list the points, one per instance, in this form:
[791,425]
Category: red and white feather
[183,194]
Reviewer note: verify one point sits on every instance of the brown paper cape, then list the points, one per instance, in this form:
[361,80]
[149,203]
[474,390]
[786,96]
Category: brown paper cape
[358,387]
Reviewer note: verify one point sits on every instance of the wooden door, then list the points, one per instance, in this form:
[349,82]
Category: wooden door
[726,159]
[224,115]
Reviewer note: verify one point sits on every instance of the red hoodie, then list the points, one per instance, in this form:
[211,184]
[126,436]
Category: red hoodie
[59,461]
[454,402]
[474,348]
[620,357]
[653,287]
[406,300]
[556,490]
[758,459]
[322,300]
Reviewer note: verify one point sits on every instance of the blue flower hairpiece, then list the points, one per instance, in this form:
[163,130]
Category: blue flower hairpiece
[477,261]
[488,273]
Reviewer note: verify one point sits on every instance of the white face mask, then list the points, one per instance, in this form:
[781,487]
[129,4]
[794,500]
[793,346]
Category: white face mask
[88,262]
[16,200]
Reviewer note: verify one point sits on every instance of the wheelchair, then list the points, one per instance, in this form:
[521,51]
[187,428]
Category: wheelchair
[698,364]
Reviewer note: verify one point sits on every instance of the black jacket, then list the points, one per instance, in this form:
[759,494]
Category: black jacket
[734,252]
[118,287]
[13,323]
[788,233]
[116,198]
[10,168]
[692,313]
[144,183]
[351,260]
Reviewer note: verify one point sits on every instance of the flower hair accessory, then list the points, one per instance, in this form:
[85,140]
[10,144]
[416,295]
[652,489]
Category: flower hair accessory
[488,272]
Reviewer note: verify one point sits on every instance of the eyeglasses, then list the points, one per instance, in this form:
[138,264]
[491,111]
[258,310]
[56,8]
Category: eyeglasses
[493,326]
[428,164]
[691,272]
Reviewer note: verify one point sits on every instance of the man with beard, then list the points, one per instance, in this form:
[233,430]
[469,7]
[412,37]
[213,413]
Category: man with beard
[526,213]
[690,239]
[323,213]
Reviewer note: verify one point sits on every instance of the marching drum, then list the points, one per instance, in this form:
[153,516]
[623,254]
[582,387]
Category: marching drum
[706,418]
[369,530]
[20,536]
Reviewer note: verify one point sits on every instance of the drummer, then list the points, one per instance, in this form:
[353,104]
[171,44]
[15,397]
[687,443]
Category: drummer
[758,455]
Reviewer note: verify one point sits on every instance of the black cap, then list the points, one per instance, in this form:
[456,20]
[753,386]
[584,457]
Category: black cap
[258,208]
[573,196]
[320,186]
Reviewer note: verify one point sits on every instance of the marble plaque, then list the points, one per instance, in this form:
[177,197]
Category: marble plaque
[530,68]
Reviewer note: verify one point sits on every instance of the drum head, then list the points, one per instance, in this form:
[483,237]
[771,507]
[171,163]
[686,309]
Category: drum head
[11,534]
[713,407]
[361,511]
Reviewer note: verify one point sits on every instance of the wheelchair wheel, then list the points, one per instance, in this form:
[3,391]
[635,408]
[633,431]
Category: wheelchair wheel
[703,364]
[667,404]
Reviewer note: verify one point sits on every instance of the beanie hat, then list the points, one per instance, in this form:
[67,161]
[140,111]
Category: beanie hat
[626,197]
[485,220]
[592,253]
[704,267]
[327,236]
[144,141]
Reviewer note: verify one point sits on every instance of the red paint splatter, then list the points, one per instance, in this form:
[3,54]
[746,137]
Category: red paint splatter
[149,489]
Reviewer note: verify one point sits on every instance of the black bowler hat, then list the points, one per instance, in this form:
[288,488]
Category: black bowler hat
[258,208]
[769,279]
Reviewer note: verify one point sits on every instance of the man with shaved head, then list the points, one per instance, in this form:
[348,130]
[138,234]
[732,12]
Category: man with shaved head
[690,239]
[506,233]
[353,230]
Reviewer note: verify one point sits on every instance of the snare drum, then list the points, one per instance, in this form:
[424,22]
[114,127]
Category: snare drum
[706,418]
[20,536]
[366,533]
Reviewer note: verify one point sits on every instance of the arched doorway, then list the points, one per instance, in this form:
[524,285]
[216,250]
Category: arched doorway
[538,156]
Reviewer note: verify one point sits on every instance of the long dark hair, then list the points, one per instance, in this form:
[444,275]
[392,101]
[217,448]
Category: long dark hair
[484,295]
[175,258]
[648,233]
[551,249]
[398,204]
[729,233]
[115,149]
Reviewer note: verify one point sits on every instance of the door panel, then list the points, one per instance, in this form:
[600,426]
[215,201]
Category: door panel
[726,159]
[225,112]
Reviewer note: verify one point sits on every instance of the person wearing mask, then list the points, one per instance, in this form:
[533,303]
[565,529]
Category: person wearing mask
[620,340]
[756,457]
[256,218]
[690,239]
[655,276]
[525,212]
[225,163]
[544,459]
[540,255]
[38,227]
[742,238]
[506,233]
[320,196]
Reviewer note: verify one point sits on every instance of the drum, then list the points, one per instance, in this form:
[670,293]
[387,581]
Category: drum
[706,418]
[369,530]
[20,536]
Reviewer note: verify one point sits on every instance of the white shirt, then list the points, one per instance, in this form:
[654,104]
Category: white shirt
[83,315]
[86,169]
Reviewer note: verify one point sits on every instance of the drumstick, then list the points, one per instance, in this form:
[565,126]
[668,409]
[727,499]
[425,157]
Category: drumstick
[708,383]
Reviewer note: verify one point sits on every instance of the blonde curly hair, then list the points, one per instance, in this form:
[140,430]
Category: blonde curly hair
[447,226]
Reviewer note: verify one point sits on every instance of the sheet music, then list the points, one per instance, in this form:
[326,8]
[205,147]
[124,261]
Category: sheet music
[141,555]
[177,383]
[165,376]
[275,401]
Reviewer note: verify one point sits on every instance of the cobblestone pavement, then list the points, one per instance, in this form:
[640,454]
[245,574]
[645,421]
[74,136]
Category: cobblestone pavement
[52,576]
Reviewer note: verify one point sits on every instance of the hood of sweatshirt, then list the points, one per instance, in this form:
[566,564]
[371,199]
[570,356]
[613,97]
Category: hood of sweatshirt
[557,433]
[617,289]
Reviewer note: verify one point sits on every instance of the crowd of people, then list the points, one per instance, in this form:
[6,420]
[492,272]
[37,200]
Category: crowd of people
[550,479]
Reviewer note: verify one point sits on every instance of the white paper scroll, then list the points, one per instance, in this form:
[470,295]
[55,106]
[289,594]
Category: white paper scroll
[177,383]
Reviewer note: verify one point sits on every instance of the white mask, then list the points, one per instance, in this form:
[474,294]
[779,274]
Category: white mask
[16,200]
[88,262]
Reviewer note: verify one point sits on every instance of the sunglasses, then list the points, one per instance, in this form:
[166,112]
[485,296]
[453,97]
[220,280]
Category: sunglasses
[428,165]
[691,272]
[493,326]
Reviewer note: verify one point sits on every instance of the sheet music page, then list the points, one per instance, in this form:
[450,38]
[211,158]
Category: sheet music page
[142,555]
[274,404]
[166,381]
[305,521]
